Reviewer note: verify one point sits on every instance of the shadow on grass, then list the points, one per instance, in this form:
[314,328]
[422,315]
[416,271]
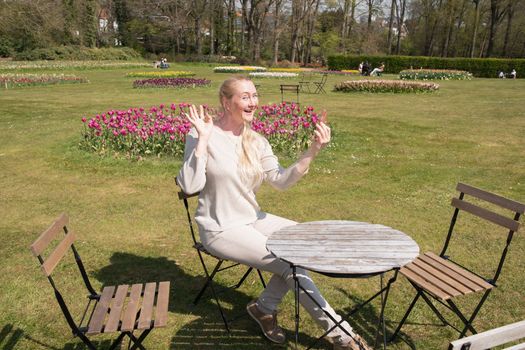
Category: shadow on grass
[10,336]
[207,331]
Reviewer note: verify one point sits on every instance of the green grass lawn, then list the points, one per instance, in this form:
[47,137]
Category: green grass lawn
[397,161]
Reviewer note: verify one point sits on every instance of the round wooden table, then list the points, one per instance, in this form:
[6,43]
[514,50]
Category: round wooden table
[346,249]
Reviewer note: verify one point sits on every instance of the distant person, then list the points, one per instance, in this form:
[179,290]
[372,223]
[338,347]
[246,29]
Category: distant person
[360,68]
[164,63]
[501,75]
[366,69]
[513,74]
[377,71]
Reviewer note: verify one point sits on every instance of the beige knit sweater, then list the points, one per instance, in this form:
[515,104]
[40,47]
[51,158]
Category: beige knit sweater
[224,201]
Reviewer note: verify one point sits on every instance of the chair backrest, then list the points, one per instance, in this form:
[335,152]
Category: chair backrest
[49,263]
[511,224]
[491,338]
[324,77]
[184,198]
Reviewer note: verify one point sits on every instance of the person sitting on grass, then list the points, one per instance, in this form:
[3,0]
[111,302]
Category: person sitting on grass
[226,161]
[377,71]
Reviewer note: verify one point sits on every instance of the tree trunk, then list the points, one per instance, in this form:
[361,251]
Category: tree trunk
[276,31]
[400,24]
[510,15]
[475,30]
[390,25]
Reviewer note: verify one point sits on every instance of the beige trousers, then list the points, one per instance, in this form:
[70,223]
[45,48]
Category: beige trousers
[247,245]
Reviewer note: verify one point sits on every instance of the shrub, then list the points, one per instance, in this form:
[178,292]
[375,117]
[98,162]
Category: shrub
[479,67]
[434,74]
[79,53]
[161,130]
[6,47]
[180,83]
[395,86]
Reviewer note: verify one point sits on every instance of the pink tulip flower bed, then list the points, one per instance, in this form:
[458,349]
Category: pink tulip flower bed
[161,130]
[171,83]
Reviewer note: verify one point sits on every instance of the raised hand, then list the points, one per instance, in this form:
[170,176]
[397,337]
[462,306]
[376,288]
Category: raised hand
[322,132]
[201,120]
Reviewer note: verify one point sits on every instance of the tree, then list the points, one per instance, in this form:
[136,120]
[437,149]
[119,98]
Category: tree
[89,24]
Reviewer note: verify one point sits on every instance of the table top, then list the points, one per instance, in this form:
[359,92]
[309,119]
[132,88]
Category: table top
[343,248]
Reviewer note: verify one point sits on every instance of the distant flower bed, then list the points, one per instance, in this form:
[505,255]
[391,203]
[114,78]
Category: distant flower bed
[17,65]
[350,71]
[434,74]
[163,74]
[238,69]
[395,86]
[10,80]
[273,75]
[336,72]
[161,130]
[180,83]
[289,70]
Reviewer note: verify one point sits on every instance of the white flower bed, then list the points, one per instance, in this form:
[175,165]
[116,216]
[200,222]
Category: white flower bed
[238,69]
[273,75]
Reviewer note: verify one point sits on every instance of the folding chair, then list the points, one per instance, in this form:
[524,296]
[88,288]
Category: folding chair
[117,308]
[201,251]
[493,337]
[304,83]
[319,85]
[440,278]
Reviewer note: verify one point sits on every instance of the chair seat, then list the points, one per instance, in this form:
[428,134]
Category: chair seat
[442,278]
[143,307]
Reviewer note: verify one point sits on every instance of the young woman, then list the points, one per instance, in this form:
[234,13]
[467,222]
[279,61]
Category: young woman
[227,162]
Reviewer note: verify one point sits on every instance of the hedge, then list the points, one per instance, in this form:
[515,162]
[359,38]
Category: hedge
[479,67]
[79,53]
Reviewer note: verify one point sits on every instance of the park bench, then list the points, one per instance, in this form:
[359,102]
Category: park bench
[123,308]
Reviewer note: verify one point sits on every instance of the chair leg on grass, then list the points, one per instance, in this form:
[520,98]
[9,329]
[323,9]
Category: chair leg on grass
[405,316]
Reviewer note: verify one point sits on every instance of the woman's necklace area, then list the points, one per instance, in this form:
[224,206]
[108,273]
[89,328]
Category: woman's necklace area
[232,138]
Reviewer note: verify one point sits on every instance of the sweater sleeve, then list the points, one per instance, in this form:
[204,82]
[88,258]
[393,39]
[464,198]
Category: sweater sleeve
[279,177]
[192,175]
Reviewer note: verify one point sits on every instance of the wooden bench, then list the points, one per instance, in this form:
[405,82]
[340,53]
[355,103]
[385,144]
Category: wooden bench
[122,308]
[493,337]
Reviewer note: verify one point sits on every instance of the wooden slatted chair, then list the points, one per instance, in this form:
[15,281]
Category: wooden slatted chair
[201,251]
[438,277]
[493,337]
[123,309]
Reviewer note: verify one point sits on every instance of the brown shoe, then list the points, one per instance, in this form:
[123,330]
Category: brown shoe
[357,343]
[267,322]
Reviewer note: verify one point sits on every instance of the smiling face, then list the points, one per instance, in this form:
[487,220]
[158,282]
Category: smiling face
[243,103]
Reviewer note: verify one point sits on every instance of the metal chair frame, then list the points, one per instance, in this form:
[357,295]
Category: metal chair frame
[79,330]
[319,85]
[461,204]
[201,251]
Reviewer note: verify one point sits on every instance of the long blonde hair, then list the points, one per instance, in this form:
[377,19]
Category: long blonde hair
[250,167]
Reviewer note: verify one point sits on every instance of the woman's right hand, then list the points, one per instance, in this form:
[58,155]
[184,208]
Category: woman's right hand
[201,120]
